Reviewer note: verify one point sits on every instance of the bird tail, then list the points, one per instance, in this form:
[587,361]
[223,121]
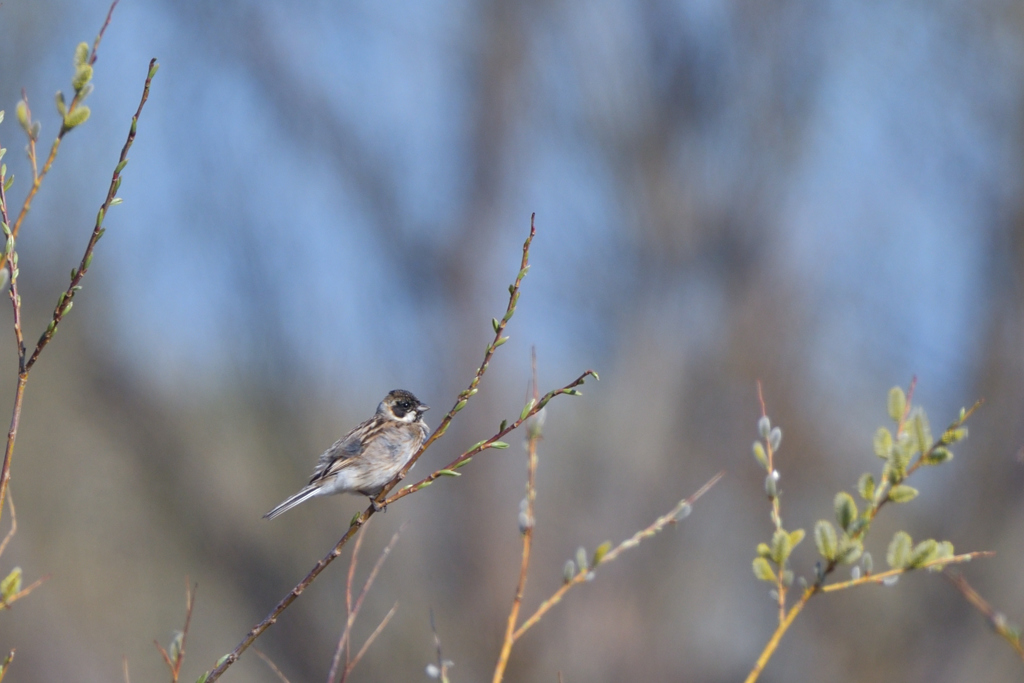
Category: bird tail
[300,497]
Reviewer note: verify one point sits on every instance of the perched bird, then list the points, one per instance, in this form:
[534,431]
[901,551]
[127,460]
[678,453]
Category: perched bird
[369,456]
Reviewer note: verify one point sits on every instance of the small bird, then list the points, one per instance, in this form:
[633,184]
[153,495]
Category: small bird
[368,457]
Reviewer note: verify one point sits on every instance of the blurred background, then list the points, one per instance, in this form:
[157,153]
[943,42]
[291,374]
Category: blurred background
[328,200]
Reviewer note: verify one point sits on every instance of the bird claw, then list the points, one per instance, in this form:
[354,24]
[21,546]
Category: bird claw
[377,507]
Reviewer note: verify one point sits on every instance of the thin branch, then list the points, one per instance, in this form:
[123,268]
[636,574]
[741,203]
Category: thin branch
[997,620]
[671,517]
[527,529]
[369,641]
[270,663]
[37,178]
[471,390]
[14,524]
[6,604]
[6,664]
[124,666]
[773,642]
[65,302]
[354,611]
[352,563]
[177,655]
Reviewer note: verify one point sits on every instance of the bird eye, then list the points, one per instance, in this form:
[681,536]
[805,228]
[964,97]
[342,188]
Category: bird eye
[404,405]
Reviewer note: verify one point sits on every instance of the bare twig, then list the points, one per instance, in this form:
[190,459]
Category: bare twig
[354,611]
[65,302]
[124,666]
[369,641]
[6,604]
[176,656]
[527,529]
[997,620]
[14,524]
[270,663]
[671,517]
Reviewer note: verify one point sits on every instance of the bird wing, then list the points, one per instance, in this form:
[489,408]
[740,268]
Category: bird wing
[343,450]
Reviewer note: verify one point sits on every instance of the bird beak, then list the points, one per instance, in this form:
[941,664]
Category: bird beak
[423,409]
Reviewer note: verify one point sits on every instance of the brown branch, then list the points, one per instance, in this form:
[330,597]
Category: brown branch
[354,612]
[6,664]
[124,667]
[997,620]
[37,178]
[65,302]
[369,641]
[174,662]
[270,663]
[671,517]
[527,529]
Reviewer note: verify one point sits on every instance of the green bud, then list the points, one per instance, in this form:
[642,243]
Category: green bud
[764,427]
[500,341]
[460,405]
[924,552]
[448,473]
[902,493]
[866,486]
[494,325]
[897,404]
[76,117]
[83,74]
[775,438]
[499,444]
[763,550]
[760,455]
[568,571]
[501,427]
[81,54]
[527,408]
[462,463]
[763,570]
[11,584]
[899,550]
[938,455]
[882,442]
[581,558]
[22,112]
[846,510]
[599,553]
[825,539]
[849,550]
[781,547]
[62,107]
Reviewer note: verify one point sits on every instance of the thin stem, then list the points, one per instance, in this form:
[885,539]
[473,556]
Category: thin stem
[524,565]
[997,620]
[471,390]
[773,643]
[37,178]
[270,663]
[369,641]
[671,517]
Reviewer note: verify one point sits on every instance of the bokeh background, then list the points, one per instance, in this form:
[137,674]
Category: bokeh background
[327,201]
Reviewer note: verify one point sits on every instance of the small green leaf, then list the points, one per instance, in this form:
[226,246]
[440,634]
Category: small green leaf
[883,442]
[355,518]
[846,510]
[11,584]
[763,550]
[902,493]
[763,570]
[897,404]
[500,341]
[494,325]
[527,408]
[825,539]
[223,659]
[22,112]
[61,106]
[599,553]
[922,430]
[448,473]
[760,455]
[954,435]
[795,537]
[499,444]
[866,486]
[202,679]
[501,427]
[120,166]
[899,550]
[460,405]
[462,463]
[115,201]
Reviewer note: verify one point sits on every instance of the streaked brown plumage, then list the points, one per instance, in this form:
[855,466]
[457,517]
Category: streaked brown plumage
[368,457]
